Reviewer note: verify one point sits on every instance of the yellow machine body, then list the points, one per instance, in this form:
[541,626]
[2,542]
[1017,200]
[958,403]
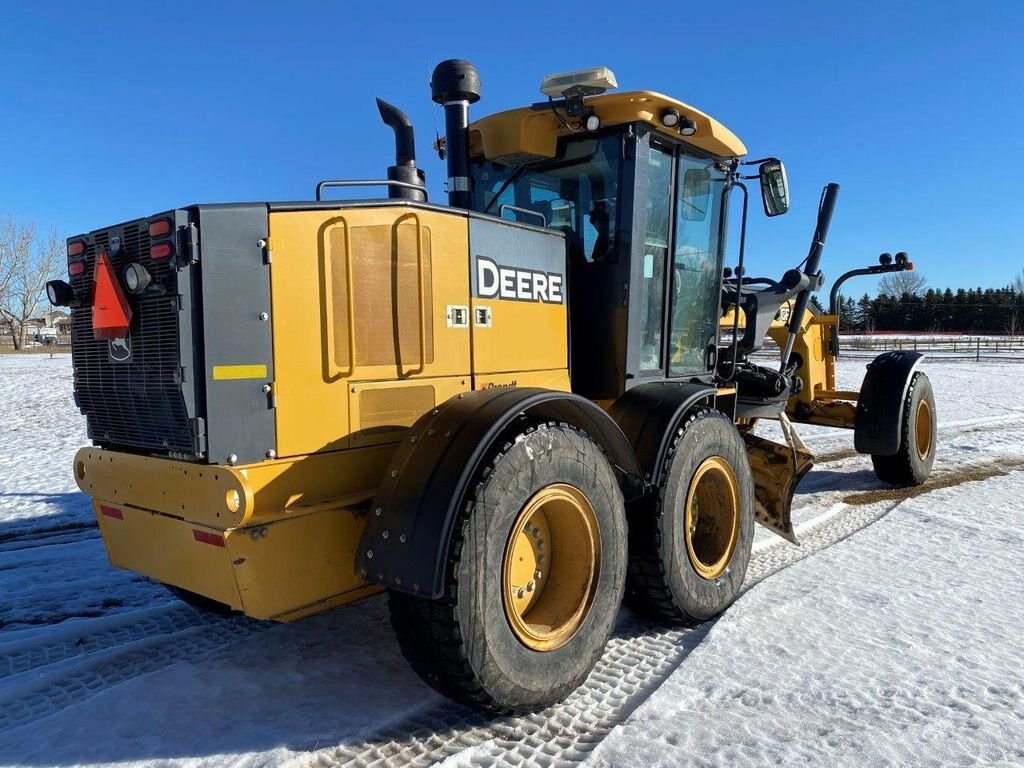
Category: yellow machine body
[358,360]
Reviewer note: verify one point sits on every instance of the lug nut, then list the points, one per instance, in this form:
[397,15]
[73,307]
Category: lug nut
[530,586]
[538,575]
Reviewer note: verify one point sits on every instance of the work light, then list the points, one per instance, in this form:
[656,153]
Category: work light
[136,278]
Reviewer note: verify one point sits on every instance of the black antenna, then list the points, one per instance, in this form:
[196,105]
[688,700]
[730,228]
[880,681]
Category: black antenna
[441,153]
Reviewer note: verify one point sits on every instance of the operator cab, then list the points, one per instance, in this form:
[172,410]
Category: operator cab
[639,183]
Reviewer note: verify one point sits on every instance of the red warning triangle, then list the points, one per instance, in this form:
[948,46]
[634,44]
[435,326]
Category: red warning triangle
[111,314]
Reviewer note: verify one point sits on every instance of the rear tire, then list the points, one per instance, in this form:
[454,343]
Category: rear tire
[912,463]
[684,566]
[548,503]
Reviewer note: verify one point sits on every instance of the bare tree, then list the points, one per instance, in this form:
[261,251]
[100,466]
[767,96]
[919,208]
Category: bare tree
[896,284]
[1013,323]
[1017,284]
[26,263]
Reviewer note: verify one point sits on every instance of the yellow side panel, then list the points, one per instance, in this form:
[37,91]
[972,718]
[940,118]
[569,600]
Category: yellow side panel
[168,550]
[361,294]
[523,336]
[557,379]
[382,411]
[299,565]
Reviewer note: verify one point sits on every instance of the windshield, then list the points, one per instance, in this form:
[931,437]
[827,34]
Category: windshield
[576,192]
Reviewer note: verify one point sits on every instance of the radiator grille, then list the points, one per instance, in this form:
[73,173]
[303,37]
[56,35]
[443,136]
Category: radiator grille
[136,403]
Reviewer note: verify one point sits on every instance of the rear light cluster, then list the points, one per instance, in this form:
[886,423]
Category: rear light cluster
[164,248]
[76,257]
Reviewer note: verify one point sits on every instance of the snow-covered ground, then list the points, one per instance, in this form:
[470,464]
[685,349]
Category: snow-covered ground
[893,635]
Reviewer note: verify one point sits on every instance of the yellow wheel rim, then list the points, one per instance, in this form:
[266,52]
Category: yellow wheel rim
[551,567]
[712,517]
[923,427]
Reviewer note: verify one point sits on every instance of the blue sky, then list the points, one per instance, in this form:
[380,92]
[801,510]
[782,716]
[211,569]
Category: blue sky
[109,111]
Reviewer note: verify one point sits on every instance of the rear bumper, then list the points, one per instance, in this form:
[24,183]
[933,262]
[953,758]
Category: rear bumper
[243,536]
[281,570]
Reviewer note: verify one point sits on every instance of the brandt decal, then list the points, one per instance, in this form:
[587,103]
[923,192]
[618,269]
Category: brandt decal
[493,281]
[120,350]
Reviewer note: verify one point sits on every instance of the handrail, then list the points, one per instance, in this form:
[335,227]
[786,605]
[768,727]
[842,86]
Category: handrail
[528,211]
[421,286]
[368,183]
[333,370]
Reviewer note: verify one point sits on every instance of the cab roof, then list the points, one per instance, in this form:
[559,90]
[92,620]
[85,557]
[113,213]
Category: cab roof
[526,134]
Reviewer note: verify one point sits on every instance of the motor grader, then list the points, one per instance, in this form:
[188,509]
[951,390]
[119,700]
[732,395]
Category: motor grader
[512,412]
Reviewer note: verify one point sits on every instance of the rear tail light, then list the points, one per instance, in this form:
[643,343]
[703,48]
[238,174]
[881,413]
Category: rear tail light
[76,248]
[160,228]
[161,250]
[76,268]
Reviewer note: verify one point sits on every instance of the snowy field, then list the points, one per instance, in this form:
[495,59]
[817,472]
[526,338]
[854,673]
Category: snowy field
[893,636]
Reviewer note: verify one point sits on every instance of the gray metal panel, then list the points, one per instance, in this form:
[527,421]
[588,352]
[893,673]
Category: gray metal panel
[494,244]
[235,287]
[190,348]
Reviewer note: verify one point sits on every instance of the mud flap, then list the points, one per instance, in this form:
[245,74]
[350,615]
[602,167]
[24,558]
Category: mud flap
[777,469]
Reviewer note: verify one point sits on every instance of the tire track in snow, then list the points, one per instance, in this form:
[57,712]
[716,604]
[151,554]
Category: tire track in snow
[639,657]
[33,538]
[90,636]
[54,690]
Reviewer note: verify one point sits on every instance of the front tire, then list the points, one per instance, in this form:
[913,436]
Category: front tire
[912,463]
[690,546]
[534,579]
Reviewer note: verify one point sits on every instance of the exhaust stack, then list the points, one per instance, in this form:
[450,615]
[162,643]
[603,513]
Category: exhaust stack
[404,169]
[455,84]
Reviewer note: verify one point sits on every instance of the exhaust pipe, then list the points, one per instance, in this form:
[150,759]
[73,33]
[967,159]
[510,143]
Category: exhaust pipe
[455,84]
[404,169]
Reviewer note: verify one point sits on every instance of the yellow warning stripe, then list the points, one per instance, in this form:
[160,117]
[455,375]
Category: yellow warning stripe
[224,372]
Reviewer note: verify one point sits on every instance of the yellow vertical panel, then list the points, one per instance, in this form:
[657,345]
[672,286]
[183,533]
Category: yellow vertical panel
[523,336]
[382,412]
[312,378]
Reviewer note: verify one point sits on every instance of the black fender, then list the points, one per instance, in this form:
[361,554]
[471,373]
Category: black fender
[649,415]
[410,523]
[882,398]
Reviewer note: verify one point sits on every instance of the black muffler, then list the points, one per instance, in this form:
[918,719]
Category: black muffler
[412,180]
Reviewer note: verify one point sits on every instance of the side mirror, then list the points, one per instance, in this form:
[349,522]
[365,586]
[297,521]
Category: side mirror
[696,194]
[774,188]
